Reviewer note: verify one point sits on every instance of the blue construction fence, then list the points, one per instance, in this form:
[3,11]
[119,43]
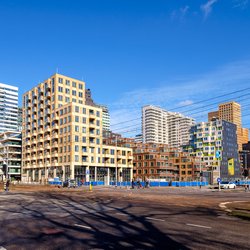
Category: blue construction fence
[242,183]
[151,184]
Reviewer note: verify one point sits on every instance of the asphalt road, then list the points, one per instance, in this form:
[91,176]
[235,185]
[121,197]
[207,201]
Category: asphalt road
[121,219]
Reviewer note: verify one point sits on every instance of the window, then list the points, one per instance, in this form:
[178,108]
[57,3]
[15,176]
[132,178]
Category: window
[76,148]
[83,129]
[97,123]
[76,138]
[77,109]
[112,151]
[76,118]
[73,99]
[80,94]
[67,82]
[98,113]
[60,89]
[76,158]
[60,80]
[80,86]
[67,99]
[76,128]
[74,92]
[67,91]
[84,110]
[60,98]
[74,84]
[84,139]
[84,120]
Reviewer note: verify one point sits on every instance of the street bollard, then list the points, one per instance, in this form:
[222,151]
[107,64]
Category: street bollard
[90,187]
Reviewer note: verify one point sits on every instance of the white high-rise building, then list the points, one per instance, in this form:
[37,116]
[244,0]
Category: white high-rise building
[8,107]
[105,118]
[162,126]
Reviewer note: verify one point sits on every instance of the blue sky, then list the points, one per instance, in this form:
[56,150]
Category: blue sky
[130,52]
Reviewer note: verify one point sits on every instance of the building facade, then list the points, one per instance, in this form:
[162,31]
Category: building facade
[160,162]
[8,108]
[245,160]
[62,136]
[215,143]
[10,155]
[231,112]
[161,126]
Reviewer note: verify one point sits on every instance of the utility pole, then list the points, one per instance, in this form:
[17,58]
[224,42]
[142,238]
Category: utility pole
[200,168]
[116,161]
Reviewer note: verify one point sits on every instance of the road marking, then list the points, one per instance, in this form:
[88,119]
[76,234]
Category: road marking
[150,218]
[77,225]
[194,225]
[121,214]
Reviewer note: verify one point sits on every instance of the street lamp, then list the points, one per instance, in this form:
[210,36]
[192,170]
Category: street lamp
[116,161]
[200,168]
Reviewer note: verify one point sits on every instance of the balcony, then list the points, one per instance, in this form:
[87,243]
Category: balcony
[55,136]
[47,129]
[55,154]
[55,127]
[47,138]
[40,131]
[40,156]
[40,139]
[55,145]
[47,155]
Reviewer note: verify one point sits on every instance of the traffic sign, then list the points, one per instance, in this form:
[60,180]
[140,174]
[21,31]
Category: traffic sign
[218,180]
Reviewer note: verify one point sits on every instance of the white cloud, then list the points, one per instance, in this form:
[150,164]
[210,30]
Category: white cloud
[178,92]
[242,4]
[207,7]
[185,103]
[180,14]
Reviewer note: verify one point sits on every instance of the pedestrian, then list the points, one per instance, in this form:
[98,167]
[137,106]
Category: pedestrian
[7,185]
[133,184]
[138,184]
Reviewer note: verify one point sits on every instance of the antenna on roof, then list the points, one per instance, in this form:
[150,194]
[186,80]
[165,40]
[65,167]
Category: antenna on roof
[57,70]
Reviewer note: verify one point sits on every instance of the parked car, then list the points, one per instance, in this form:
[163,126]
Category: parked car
[227,185]
[69,183]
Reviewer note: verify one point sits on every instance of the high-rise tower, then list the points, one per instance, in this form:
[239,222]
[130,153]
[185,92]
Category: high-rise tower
[162,126]
[231,112]
[8,107]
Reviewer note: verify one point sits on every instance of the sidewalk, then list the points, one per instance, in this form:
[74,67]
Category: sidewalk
[240,209]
